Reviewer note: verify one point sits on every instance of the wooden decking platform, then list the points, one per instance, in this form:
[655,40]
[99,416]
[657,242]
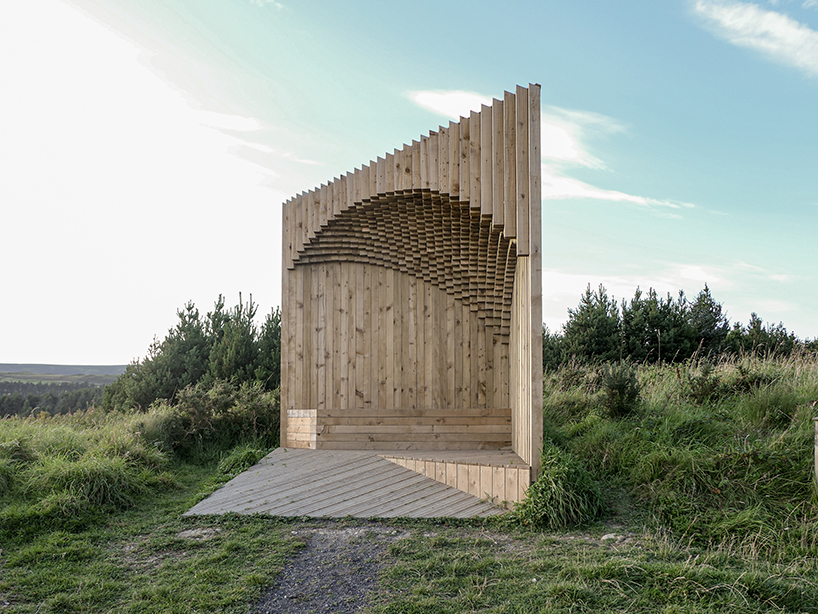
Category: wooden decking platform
[339,483]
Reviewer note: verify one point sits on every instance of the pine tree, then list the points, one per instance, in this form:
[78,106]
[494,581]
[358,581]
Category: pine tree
[709,323]
[592,331]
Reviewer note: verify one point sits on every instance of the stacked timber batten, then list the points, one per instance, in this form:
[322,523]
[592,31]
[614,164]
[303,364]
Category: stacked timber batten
[411,316]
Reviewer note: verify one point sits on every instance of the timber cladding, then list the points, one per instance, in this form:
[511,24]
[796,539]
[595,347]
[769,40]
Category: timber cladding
[412,297]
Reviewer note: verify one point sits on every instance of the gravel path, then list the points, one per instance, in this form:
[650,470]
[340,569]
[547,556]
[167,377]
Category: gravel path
[335,572]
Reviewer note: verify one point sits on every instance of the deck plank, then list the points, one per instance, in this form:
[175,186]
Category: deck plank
[338,483]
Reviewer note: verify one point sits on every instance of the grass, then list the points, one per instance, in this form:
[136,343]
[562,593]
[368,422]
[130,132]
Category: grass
[698,498]
[90,521]
[452,570]
[711,451]
[148,559]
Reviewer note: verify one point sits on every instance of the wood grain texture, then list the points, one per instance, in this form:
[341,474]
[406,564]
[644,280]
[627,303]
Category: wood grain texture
[413,284]
[335,484]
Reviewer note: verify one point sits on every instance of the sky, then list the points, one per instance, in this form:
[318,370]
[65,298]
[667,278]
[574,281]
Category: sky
[146,148]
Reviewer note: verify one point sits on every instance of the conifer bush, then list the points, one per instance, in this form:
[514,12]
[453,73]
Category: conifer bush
[620,389]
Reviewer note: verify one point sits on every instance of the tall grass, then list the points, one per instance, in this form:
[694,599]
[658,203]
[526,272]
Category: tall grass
[712,451]
[60,472]
[564,494]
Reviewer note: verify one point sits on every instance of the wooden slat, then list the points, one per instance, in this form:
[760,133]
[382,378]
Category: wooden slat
[416,166]
[433,158]
[324,206]
[443,164]
[367,379]
[411,316]
[453,158]
[347,349]
[509,166]
[424,163]
[361,328]
[497,167]
[486,161]
[465,159]
[522,119]
[389,350]
[388,173]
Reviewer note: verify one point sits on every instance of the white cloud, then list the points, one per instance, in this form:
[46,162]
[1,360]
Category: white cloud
[272,3]
[564,143]
[223,121]
[565,134]
[775,35]
[809,4]
[558,186]
[454,104]
[758,271]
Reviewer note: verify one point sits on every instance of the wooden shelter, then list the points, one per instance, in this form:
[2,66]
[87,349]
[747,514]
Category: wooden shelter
[412,296]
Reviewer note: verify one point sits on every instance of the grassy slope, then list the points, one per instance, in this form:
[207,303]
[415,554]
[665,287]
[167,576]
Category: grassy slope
[90,521]
[680,546]
[147,559]
[714,453]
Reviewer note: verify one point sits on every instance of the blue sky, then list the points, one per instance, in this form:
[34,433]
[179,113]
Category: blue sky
[146,147]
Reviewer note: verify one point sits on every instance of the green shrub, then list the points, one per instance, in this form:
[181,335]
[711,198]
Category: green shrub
[565,494]
[620,389]
[17,450]
[702,382]
[7,475]
[240,458]
[600,441]
[210,418]
[566,406]
[132,449]
[155,426]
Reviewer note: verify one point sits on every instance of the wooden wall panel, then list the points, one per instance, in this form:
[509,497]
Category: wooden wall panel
[414,350]
[414,284]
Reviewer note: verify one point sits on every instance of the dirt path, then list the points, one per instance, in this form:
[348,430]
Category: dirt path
[335,572]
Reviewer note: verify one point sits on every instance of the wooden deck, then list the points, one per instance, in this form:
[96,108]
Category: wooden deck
[339,483]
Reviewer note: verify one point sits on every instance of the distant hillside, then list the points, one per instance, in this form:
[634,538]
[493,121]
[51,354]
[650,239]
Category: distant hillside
[63,369]
[98,375]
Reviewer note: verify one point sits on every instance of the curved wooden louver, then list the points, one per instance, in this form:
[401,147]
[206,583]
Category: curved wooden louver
[430,237]
[457,211]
